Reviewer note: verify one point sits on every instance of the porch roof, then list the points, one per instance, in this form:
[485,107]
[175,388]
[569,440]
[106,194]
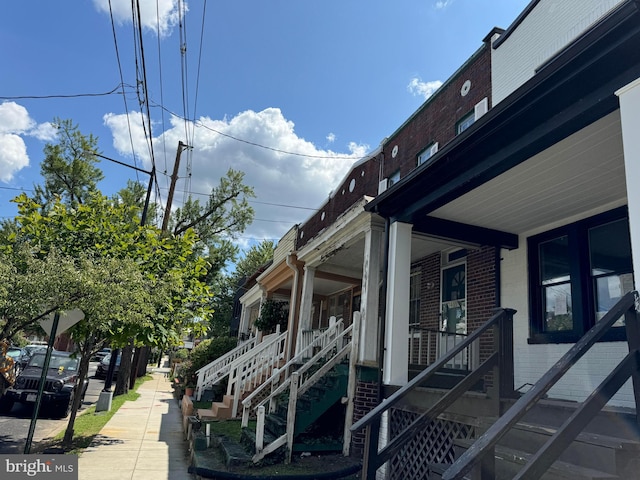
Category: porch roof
[572,91]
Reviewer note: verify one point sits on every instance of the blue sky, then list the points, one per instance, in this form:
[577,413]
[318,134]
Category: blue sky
[319,84]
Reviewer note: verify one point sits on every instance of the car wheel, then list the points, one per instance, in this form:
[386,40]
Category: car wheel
[62,411]
[6,404]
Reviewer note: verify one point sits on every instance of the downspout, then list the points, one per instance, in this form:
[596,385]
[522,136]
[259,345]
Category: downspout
[293,309]
[498,276]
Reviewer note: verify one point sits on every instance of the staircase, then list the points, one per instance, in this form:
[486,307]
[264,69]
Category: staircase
[607,449]
[322,400]
[525,438]
[298,394]
[245,370]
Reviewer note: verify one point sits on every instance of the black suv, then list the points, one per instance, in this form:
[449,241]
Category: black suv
[60,387]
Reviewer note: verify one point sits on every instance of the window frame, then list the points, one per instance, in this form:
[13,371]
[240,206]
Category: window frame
[468,116]
[394,178]
[426,150]
[581,281]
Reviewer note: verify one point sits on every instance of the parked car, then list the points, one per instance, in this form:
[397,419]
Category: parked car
[29,351]
[103,366]
[17,355]
[99,356]
[60,387]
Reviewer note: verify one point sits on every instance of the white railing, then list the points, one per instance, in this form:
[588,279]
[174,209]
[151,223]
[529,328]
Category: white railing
[218,369]
[426,346]
[251,369]
[337,342]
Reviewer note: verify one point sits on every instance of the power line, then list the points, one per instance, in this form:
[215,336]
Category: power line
[71,95]
[126,106]
[248,142]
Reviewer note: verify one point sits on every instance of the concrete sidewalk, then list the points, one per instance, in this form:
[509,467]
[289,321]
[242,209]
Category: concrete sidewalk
[143,440]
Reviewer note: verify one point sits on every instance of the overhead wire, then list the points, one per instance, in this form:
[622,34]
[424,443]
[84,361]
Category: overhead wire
[259,145]
[164,144]
[184,78]
[113,91]
[144,100]
[124,97]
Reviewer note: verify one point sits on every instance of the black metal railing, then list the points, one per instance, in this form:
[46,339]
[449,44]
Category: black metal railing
[481,456]
[501,361]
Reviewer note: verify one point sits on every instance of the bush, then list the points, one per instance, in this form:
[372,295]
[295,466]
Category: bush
[272,313]
[204,353]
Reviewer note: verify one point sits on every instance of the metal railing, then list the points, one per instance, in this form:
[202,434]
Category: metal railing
[481,457]
[427,345]
[500,363]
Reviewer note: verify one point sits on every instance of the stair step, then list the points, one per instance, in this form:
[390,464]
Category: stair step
[234,454]
[510,461]
[589,450]
[221,410]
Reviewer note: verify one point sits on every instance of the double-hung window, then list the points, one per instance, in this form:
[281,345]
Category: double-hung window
[577,273]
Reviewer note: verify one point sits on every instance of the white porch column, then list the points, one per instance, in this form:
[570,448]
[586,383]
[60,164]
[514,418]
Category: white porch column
[306,303]
[629,97]
[396,356]
[370,297]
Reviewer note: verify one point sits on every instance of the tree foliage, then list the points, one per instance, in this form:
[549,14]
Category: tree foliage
[69,167]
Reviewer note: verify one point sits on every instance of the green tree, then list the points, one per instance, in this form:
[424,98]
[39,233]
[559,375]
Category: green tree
[69,167]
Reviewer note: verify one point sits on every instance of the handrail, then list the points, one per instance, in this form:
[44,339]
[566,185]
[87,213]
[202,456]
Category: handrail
[249,368]
[298,385]
[221,364]
[246,403]
[485,443]
[429,371]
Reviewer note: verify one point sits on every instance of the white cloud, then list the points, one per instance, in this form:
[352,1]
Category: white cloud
[441,4]
[424,89]
[160,20]
[14,118]
[44,131]
[13,156]
[16,123]
[291,171]
[331,137]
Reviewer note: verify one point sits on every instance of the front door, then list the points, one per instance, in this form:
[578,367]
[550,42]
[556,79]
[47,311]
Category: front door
[453,312]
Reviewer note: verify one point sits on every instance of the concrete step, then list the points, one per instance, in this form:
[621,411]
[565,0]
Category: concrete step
[510,461]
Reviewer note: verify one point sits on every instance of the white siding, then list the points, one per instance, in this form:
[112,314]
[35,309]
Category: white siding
[549,27]
[533,361]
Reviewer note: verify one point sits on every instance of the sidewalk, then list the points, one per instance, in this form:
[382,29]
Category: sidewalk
[142,441]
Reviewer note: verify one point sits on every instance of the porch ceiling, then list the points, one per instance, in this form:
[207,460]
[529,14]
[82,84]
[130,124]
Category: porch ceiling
[582,172]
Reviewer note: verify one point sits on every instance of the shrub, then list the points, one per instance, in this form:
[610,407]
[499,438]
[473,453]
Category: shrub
[204,353]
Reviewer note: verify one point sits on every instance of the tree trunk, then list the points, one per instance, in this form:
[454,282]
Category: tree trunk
[122,383]
[134,367]
[77,398]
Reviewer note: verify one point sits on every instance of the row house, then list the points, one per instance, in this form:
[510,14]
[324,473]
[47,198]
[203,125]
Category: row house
[461,267]
[529,219]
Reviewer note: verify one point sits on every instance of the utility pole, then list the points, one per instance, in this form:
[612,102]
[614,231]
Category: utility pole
[172,187]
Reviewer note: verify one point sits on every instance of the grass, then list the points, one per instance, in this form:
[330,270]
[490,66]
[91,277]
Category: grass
[230,428]
[89,423]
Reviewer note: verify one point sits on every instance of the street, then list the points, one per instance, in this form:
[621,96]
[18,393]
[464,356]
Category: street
[14,426]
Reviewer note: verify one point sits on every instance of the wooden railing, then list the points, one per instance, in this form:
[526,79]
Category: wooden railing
[337,343]
[427,345]
[215,371]
[501,362]
[480,457]
[251,369]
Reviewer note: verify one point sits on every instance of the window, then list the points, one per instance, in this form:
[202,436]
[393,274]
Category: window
[577,273]
[427,153]
[414,298]
[465,122]
[395,178]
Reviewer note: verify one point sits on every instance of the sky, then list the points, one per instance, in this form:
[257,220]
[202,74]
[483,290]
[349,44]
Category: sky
[290,92]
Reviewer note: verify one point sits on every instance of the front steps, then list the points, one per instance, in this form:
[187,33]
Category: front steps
[608,449]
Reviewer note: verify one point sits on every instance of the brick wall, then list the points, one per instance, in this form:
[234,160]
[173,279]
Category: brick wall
[364,179]
[365,400]
[436,120]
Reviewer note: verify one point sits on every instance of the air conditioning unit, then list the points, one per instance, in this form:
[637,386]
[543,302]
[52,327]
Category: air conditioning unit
[434,149]
[383,185]
[481,108]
